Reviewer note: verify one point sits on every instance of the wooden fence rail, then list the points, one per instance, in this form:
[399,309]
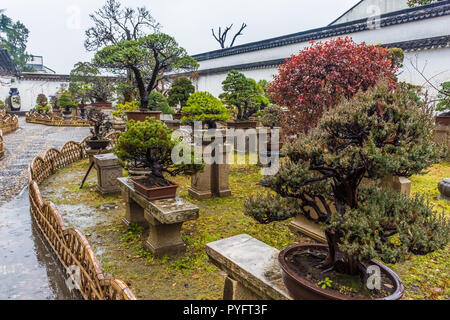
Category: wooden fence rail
[8,123]
[70,245]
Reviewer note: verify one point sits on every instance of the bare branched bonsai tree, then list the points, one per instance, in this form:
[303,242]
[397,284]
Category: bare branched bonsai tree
[101,126]
[380,132]
[221,38]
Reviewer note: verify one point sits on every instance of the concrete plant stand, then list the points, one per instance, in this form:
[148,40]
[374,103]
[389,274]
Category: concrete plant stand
[165,219]
[108,170]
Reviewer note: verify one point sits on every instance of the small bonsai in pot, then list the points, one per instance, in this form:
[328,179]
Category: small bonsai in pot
[65,100]
[383,131]
[204,107]
[42,104]
[101,127]
[149,145]
[244,95]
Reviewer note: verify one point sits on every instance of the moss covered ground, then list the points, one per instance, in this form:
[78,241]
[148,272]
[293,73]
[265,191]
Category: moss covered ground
[192,276]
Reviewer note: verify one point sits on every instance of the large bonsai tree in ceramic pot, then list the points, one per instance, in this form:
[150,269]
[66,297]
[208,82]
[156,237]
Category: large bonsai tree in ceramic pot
[383,131]
[204,107]
[246,96]
[148,58]
[149,145]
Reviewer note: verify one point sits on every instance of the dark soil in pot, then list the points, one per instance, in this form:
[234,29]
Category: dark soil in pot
[153,188]
[304,280]
[98,144]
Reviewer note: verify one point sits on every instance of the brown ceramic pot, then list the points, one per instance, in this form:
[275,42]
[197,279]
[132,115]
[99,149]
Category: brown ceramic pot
[98,144]
[242,125]
[443,120]
[102,105]
[154,193]
[302,289]
[177,116]
[141,116]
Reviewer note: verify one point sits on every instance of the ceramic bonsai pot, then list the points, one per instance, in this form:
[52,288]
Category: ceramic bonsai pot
[98,144]
[102,105]
[242,125]
[177,116]
[141,116]
[154,193]
[302,289]
[443,119]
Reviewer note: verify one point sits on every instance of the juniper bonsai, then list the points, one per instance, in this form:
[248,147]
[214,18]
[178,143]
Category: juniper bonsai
[383,131]
[203,106]
[149,145]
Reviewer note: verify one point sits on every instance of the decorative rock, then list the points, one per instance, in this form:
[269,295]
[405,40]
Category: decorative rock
[108,170]
[164,217]
[252,269]
[444,189]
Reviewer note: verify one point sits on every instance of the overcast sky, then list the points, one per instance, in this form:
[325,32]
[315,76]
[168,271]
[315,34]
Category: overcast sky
[57,26]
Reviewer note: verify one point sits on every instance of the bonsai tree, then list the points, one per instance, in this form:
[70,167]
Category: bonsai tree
[149,58]
[157,102]
[101,127]
[444,96]
[42,104]
[271,116]
[65,100]
[320,76]
[379,132]
[87,84]
[180,92]
[246,95]
[121,109]
[149,144]
[204,107]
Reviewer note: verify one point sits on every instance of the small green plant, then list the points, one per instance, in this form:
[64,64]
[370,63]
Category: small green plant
[122,109]
[181,90]
[203,106]
[157,102]
[444,96]
[326,283]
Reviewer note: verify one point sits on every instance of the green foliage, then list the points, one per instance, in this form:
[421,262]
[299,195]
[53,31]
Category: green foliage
[157,102]
[65,100]
[14,37]
[2,104]
[122,109]
[271,116]
[444,96]
[326,283]
[42,100]
[203,106]
[87,84]
[397,57]
[150,145]
[148,58]
[415,3]
[380,132]
[180,92]
[42,109]
[243,93]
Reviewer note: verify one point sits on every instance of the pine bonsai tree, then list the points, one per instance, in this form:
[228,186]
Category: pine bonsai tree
[65,100]
[179,93]
[149,144]
[204,107]
[157,102]
[380,132]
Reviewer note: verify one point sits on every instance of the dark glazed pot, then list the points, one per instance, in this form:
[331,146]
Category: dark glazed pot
[102,105]
[302,289]
[154,193]
[242,125]
[98,144]
[443,120]
[141,116]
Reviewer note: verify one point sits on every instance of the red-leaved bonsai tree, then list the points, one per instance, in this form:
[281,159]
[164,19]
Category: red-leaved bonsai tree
[379,132]
[316,79]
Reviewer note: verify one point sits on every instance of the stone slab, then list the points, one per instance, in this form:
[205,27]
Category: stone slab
[252,263]
[106,160]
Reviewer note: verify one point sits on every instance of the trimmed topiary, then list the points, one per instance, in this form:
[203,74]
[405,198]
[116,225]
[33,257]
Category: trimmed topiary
[204,107]
[157,102]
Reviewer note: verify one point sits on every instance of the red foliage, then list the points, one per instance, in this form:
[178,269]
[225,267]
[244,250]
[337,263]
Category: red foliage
[321,75]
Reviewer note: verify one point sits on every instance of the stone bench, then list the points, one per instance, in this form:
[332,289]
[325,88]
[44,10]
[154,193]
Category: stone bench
[165,219]
[252,269]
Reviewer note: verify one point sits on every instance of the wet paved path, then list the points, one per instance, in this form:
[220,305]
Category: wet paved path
[28,269]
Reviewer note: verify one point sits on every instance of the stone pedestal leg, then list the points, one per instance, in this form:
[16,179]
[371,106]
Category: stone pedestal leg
[201,184]
[234,290]
[164,238]
[134,213]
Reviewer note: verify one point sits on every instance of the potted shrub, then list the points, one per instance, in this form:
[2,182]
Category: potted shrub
[270,117]
[148,57]
[65,100]
[204,107]
[444,105]
[149,145]
[101,127]
[178,95]
[42,104]
[379,132]
[246,96]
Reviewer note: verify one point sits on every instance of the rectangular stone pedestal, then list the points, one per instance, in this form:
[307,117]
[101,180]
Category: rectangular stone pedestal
[164,218]
[252,268]
[108,170]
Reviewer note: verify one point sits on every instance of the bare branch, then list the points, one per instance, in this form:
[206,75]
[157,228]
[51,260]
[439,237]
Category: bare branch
[238,34]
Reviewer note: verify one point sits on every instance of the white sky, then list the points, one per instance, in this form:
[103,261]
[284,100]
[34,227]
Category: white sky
[57,26]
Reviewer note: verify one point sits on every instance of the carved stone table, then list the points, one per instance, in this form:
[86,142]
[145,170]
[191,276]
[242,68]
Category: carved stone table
[164,217]
[108,170]
[252,268]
